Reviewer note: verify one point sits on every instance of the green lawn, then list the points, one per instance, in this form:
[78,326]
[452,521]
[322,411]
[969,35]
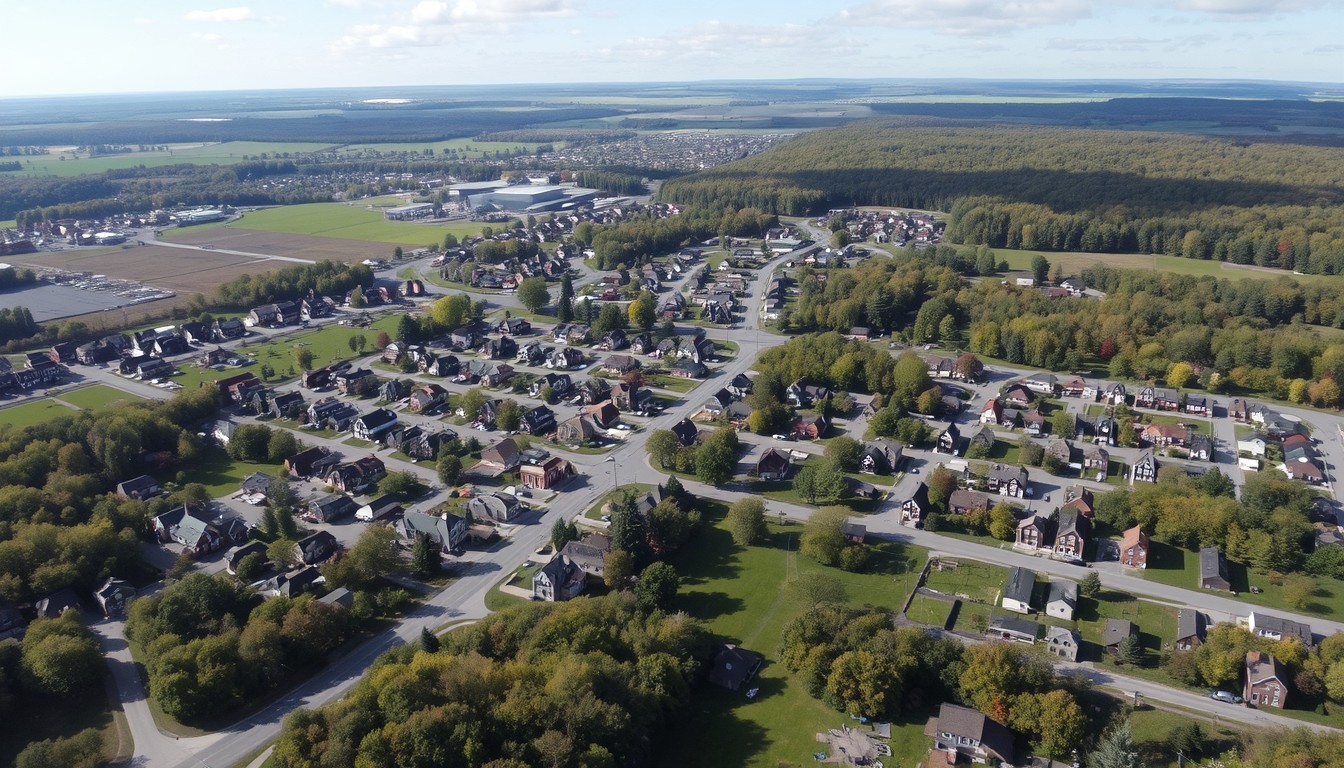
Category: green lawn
[344,222]
[33,412]
[1005,452]
[1152,727]
[222,475]
[98,397]
[1156,622]
[981,582]
[1180,568]
[744,595]
[226,153]
[929,610]
[595,512]
[782,490]
[671,383]
[1193,424]
[1073,262]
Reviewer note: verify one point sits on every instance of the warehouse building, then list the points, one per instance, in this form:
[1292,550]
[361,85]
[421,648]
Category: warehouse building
[409,212]
[533,199]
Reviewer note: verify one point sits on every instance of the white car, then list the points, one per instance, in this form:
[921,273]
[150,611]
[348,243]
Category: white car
[623,427]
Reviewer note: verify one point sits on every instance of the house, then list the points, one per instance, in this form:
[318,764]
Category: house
[378,509]
[371,426]
[1146,397]
[1134,548]
[1097,459]
[1201,447]
[1080,500]
[546,475]
[589,553]
[1276,628]
[559,383]
[315,547]
[356,475]
[1042,383]
[613,340]
[235,556]
[190,527]
[580,430]
[803,393]
[1015,629]
[227,329]
[938,367]
[1017,592]
[881,458]
[962,732]
[427,398]
[57,603]
[439,365]
[689,369]
[718,402]
[560,579]
[502,456]
[538,421]
[113,595]
[605,414]
[329,507]
[1008,481]
[514,326]
[500,507]
[310,462]
[773,465]
[1165,435]
[394,390]
[1197,405]
[992,413]
[1062,642]
[291,584]
[257,484]
[810,427]
[1305,470]
[686,431]
[348,381]
[502,348]
[1074,387]
[1107,431]
[1115,632]
[949,440]
[1036,532]
[917,506]
[740,386]
[1213,570]
[1059,451]
[628,397]
[143,487]
[1190,625]
[1072,534]
[1062,600]
[448,531]
[964,502]
[734,666]
[1238,409]
[1017,397]
[1266,681]
[287,404]
[1145,468]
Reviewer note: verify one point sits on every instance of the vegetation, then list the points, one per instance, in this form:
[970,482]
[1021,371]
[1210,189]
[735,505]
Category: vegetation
[637,240]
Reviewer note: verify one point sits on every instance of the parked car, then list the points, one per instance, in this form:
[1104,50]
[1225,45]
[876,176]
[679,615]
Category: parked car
[1225,696]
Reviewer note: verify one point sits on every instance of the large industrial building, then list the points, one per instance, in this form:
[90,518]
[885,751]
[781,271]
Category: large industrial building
[409,212]
[532,199]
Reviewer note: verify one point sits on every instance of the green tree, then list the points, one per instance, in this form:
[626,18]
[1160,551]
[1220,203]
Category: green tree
[426,557]
[1090,585]
[59,655]
[628,530]
[746,521]
[823,537]
[1060,725]
[357,297]
[562,532]
[83,750]
[662,445]
[471,402]
[610,318]
[714,463]
[1116,750]
[450,312]
[1002,522]
[373,556]
[657,586]
[534,294]
[1129,651]
[303,357]
[509,415]
[819,589]
[449,467]
[845,452]
[404,485]
[282,553]
[429,642]
[564,308]
[643,311]
[864,684]
[250,568]
[1040,269]
[618,567]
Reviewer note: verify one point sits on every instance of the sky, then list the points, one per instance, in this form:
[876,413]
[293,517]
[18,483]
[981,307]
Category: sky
[96,46]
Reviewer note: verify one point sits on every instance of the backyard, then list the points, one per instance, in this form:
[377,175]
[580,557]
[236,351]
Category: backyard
[1180,568]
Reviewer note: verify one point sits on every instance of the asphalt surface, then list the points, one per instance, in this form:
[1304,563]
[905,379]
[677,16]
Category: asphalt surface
[478,572]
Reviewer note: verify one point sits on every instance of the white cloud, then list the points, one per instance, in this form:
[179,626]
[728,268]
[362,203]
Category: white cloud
[238,13]
[969,18]
[480,11]
[1248,7]
[378,36]
[210,37]
[715,40]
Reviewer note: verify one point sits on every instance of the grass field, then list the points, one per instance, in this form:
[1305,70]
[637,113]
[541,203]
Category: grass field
[980,582]
[1180,568]
[34,412]
[929,610]
[1073,263]
[68,163]
[466,147]
[222,475]
[595,512]
[745,595]
[97,397]
[340,221]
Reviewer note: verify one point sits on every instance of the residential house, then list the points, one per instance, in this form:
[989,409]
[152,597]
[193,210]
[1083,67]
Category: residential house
[734,666]
[740,386]
[1072,535]
[917,506]
[689,369]
[1017,397]
[1036,532]
[773,465]
[949,440]
[357,475]
[1096,459]
[810,427]
[287,404]
[57,603]
[983,437]
[961,732]
[434,364]
[309,462]
[448,531]
[1213,570]
[1201,447]
[1305,470]
[380,508]
[347,381]
[1107,431]
[514,326]
[427,397]
[643,344]
[1017,592]
[227,329]
[502,456]
[546,475]
[1059,450]
[1015,629]
[803,393]
[1114,632]
[190,527]
[1276,628]
[1042,383]
[1115,394]
[235,555]
[499,507]
[1062,600]
[686,431]
[502,348]
[1145,468]
[613,340]
[1165,435]
[939,367]
[1237,409]
[560,579]
[559,383]
[1062,642]
[1073,387]
[537,421]
[1197,405]
[1266,681]
[143,487]
[1080,500]
[718,403]
[1033,422]
[1134,547]
[1146,397]
[629,397]
[880,458]
[992,413]
[331,506]
[964,502]
[605,414]
[580,430]
[315,547]
[372,425]
[589,553]
[1190,625]
[1007,480]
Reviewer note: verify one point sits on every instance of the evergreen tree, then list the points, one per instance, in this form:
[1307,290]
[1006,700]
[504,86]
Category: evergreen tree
[429,642]
[564,308]
[1116,750]
[628,530]
[425,557]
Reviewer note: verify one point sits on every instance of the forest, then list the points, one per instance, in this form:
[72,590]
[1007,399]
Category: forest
[1247,336]
[1273,205]
[637,240]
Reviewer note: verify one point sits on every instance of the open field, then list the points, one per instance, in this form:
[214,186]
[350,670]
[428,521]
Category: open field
[33,412]
[222,475]
[68,163]
[745,595]
[280,244]
[338,221]
[466,147]
[1073,262]
[979,582]
[1180,568]
[178,269]
[97,397]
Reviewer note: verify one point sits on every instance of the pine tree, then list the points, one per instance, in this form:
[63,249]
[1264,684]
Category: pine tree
[425,557]
[1116,750]
[628,531]
[564,307]
[429,642]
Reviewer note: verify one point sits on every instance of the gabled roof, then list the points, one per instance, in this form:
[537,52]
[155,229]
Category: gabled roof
[1117,630]
[969,723]
[1021,582]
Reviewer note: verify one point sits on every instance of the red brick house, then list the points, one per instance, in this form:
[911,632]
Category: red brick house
[546,475]
[1266,681]
[1134,548]
[810,427]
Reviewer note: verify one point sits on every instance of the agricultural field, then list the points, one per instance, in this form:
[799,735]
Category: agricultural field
[97,397]
[182,270]
[339,221]
[746,595]
[466,147]
[64,161]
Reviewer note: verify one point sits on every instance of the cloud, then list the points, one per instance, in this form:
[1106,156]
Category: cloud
[378,37]
[238,13]
[969,18]
[1247,7]
[718,40]
[488,11]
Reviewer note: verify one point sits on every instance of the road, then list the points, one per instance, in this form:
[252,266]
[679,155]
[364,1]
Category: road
[464,598]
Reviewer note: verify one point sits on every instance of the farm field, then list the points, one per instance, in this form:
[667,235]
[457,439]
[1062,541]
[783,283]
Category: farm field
[332,220]
[745,595]
[465,147]
[97,397]
[178,269]
[68,163]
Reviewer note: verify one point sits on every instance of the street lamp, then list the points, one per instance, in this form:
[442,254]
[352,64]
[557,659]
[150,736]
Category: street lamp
[612,461]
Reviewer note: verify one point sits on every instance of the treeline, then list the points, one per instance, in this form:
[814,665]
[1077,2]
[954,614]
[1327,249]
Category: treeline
[1058,189]
[567,135]
[615,183]
[638,240]
[16,323]
[585,683]
[10,165]
[327,278]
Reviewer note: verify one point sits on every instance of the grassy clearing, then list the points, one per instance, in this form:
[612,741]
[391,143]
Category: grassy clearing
[33,412]
[745,595]
[1153,727]
[782,490]
[671,383]
[1073,262]
[98,397]
[226,153]
[345,222]
[929,610]
[980,582]
[222,475]
[595,512]
[1180,568]
[1196,425]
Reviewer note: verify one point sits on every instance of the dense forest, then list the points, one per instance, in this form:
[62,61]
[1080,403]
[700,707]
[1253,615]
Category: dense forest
[1273,205]
[1251,336]
[637,240]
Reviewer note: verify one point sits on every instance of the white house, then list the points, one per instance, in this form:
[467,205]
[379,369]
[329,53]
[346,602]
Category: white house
[1062,600]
